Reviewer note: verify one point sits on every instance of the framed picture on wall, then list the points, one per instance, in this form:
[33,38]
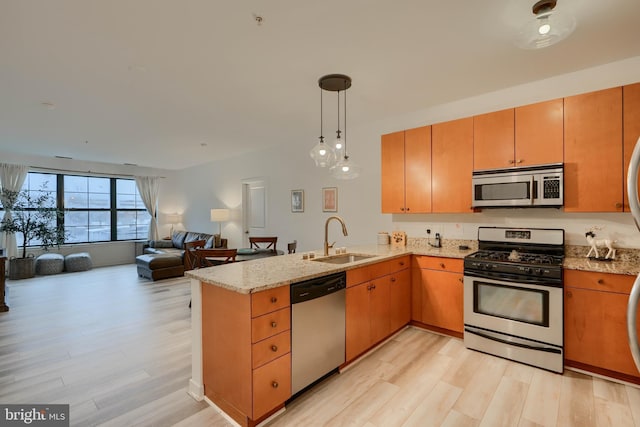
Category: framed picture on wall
[297,200]
[330,199]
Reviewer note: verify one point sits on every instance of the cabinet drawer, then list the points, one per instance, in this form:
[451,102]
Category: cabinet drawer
[599,281]
[371,272]
[270,324]
[271,385]
[271,348]
[269,300]
[439,263]
[391,266]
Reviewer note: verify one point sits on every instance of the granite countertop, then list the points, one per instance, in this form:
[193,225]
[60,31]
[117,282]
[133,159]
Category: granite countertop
[272,272]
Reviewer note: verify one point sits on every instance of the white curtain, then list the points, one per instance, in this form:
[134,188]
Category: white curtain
[148,187]
[11,178]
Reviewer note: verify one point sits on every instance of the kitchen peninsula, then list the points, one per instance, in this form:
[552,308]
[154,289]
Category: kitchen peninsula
[241,318]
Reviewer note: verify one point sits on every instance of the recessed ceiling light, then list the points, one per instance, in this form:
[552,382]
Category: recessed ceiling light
[49,105]
[203,144]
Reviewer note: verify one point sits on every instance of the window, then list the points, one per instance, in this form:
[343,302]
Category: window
[132,217]
[96,209]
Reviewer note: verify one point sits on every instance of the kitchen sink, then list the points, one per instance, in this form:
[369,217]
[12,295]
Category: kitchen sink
[343,258]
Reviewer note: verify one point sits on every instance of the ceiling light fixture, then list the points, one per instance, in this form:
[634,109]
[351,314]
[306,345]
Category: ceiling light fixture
[325,155]
[546,28]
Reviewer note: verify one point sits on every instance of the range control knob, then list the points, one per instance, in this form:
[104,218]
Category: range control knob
[539,271]
[527,270]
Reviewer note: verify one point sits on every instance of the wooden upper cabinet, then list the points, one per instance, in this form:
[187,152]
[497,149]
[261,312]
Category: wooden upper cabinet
[406,171]
[451,166]
[593,152]
[417,170]
[493,140]
[392,172]
[631,127]
[525,136]
[539,133]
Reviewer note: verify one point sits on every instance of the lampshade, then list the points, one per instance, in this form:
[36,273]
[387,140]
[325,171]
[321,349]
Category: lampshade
[345,169]
[220,215]
[323,154]
[546,27]
[174,218]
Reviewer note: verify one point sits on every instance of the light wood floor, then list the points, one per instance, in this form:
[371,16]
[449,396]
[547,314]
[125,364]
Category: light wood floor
[117,348]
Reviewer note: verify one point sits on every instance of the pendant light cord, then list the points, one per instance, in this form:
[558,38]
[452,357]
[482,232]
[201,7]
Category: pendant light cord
[321,137]
[345,120]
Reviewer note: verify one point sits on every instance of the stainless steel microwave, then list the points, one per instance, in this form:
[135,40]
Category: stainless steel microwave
[532,186]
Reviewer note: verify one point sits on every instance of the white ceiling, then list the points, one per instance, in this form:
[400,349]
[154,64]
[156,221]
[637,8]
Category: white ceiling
[175,83]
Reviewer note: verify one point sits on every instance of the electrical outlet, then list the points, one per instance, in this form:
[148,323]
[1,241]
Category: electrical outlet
[428,231]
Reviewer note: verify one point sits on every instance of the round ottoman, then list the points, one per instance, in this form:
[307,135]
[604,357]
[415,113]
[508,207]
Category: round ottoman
[49,264]
[78,262]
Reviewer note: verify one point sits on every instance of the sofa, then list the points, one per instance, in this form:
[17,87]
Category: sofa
[175,245]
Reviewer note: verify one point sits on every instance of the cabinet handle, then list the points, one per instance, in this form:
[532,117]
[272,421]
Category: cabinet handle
[402,209]
[401,263]
[393,279]
[274,324]
[274,384]
[511,161]
[441,265]
[407,209]
[461,280]
[600,282]
[569,294]
[618,205]
[274,300]
[519,161]
[274,348]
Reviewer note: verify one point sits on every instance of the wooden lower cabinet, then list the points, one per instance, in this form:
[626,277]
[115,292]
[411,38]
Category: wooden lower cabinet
[437,292]
[595,328]
[377,306]
[246,351]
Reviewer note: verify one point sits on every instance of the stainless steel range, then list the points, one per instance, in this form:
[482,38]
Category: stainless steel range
[513,296]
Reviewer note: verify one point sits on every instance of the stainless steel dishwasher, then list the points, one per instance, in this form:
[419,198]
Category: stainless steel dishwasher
[317,328]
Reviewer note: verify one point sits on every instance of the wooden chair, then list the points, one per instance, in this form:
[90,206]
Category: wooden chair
[291,247]
[223,256]
[190,253]
[270,242]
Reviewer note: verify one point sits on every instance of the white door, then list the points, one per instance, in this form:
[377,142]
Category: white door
[254,203]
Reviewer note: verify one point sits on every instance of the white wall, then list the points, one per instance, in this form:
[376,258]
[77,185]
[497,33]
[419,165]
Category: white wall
[196,190]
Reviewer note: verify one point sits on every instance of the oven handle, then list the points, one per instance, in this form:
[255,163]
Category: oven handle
[522,280]
[531,188]
[517,344]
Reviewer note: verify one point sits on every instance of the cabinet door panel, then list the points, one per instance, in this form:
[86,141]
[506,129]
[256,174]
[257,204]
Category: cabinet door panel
[358,329]
[593,179]
[538,130]
[631,126]
[493,135]
[417,159]
[595,330]
[451,166]
[392,172]
[379,309]
[400,299]
[442,299]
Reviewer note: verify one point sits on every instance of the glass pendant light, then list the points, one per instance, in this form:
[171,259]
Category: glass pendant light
[547,27]
[345,168]
[322,154]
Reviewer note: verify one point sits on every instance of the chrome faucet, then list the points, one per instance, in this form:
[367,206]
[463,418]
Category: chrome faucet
[326,233]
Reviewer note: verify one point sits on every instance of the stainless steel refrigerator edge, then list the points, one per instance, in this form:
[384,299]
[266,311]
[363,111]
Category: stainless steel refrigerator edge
[634,204]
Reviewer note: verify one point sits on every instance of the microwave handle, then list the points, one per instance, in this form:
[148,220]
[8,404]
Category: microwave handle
[532,183]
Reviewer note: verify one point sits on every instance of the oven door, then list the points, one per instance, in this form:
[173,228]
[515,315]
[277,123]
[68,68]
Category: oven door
[521,310]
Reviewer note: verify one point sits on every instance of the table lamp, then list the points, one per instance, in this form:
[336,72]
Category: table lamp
[173,219]
[219,216]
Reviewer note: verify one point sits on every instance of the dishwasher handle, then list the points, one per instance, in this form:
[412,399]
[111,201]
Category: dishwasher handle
[317,288]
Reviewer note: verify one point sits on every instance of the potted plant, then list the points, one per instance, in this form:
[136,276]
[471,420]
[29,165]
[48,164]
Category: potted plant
[35,216]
